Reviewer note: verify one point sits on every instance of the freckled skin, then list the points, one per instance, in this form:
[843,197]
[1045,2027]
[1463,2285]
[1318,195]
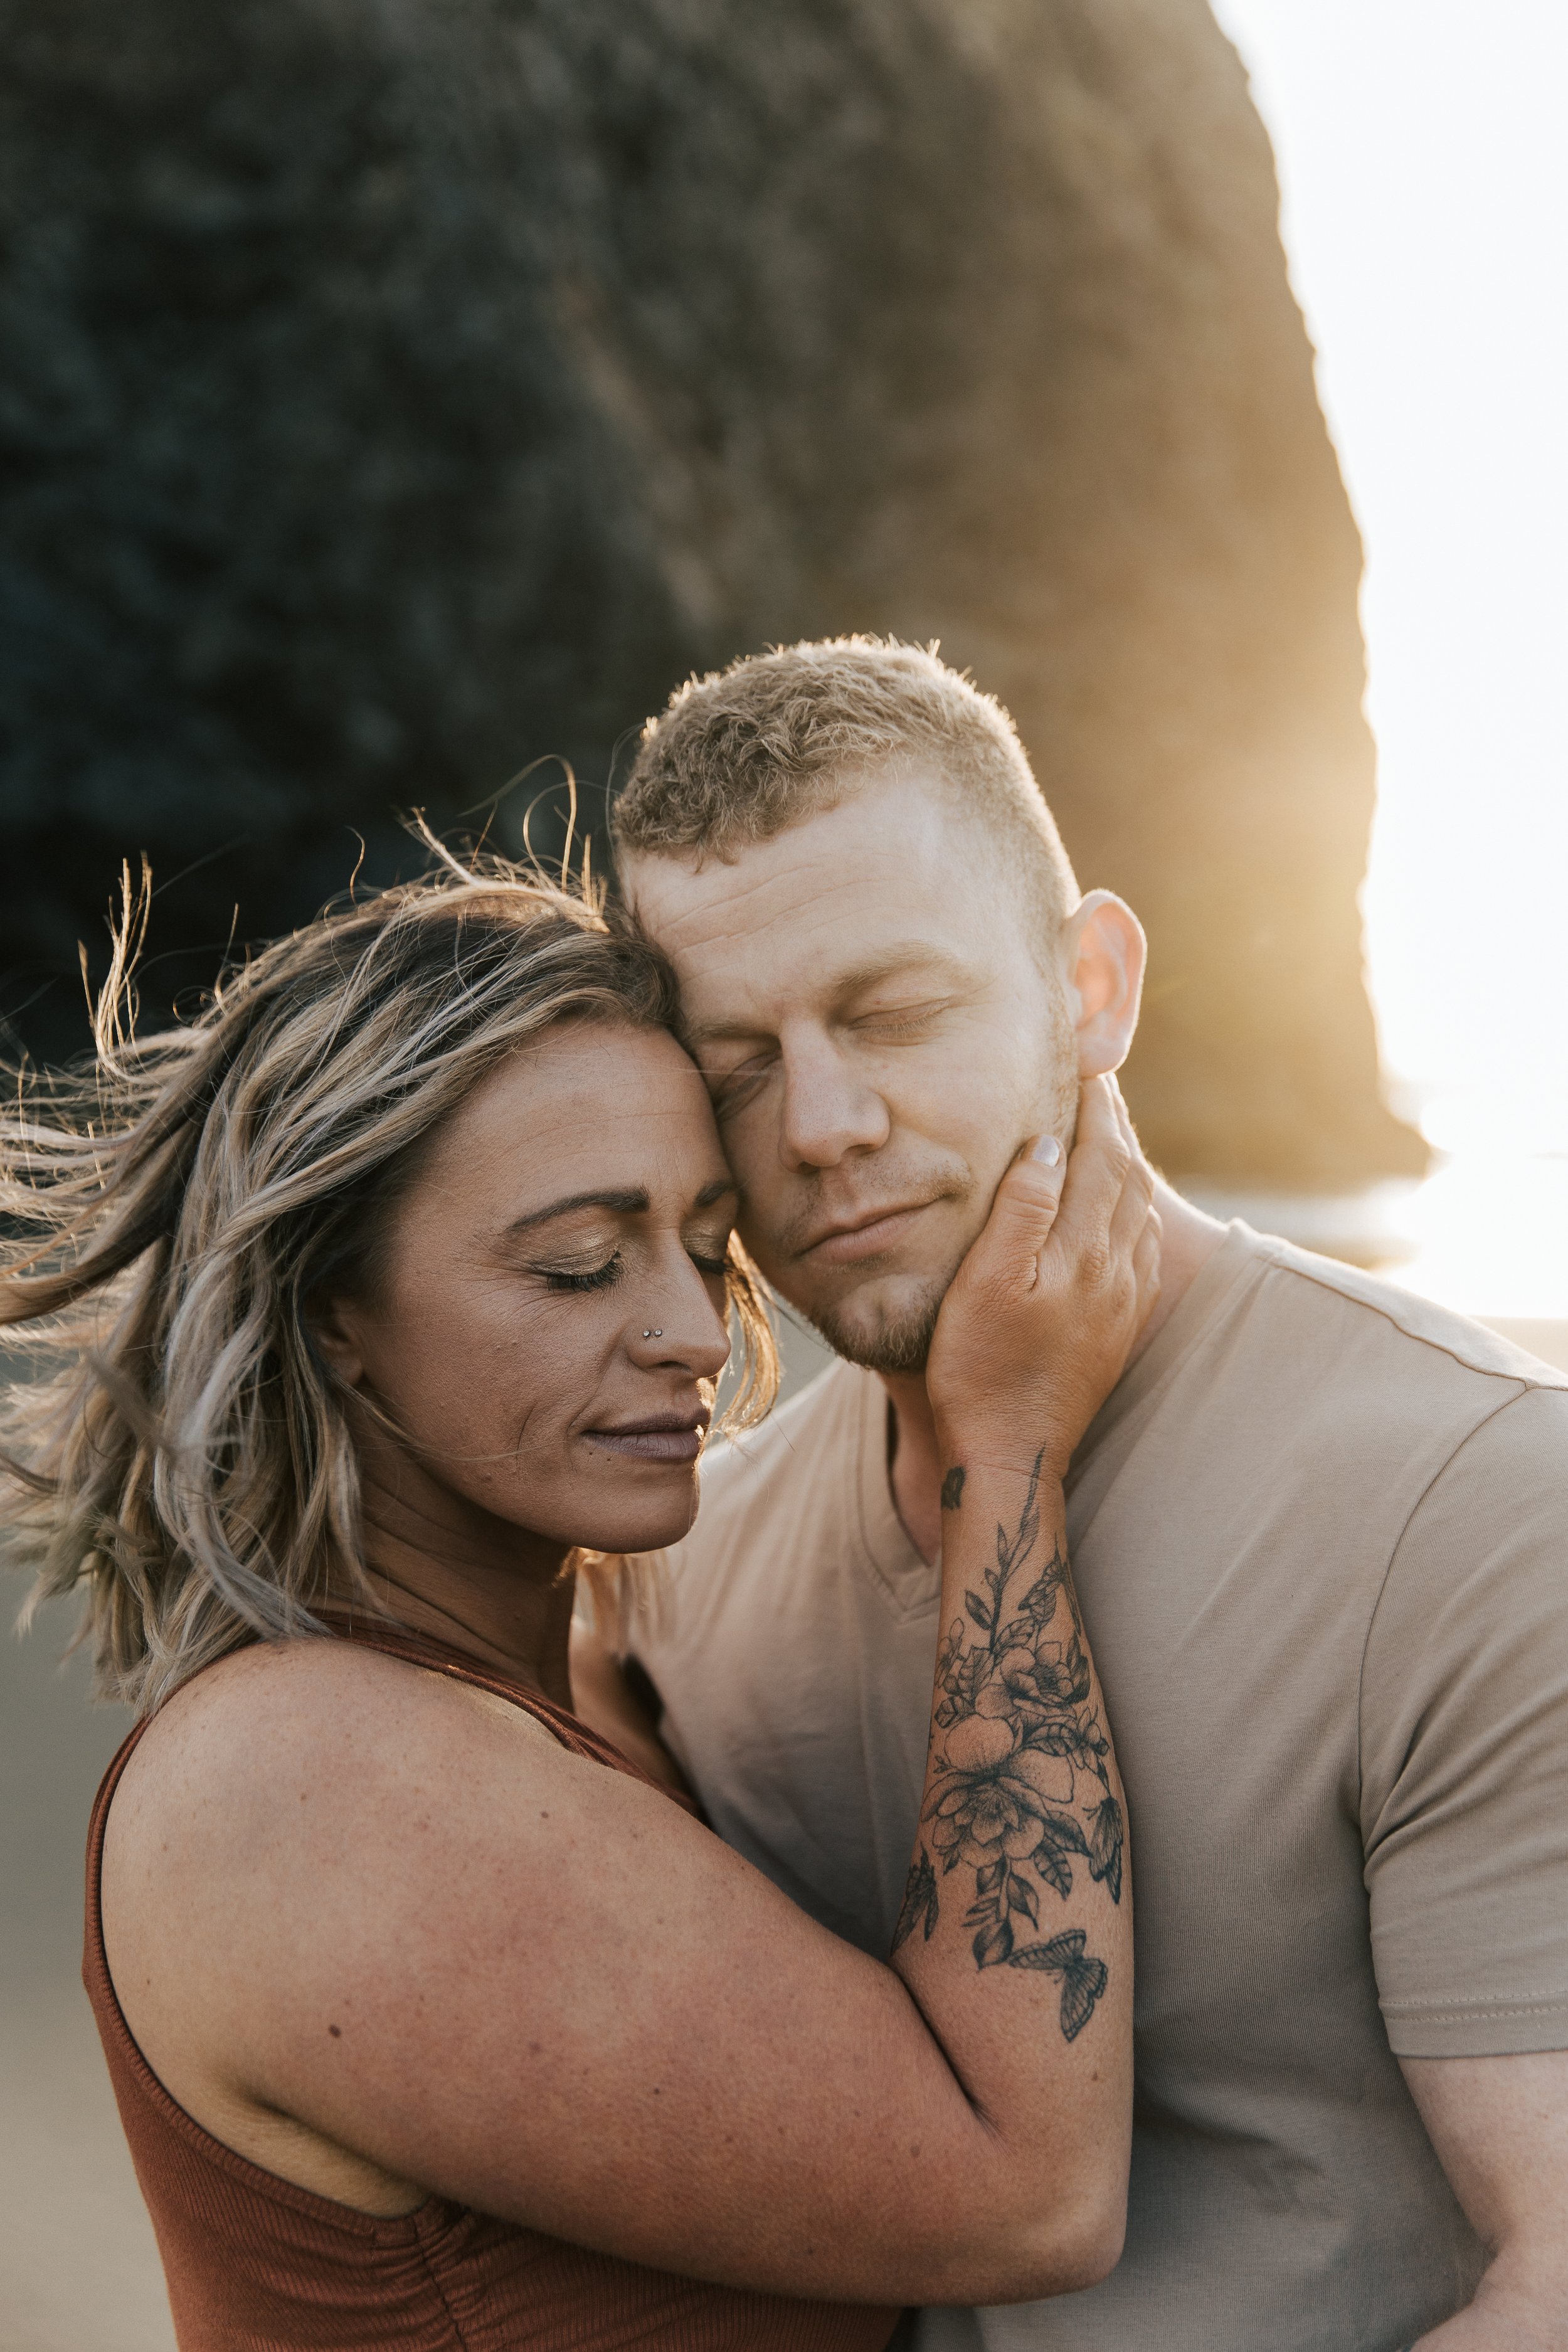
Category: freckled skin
[493,1346]
[502,1378]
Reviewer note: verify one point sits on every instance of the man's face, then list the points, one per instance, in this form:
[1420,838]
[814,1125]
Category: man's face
[877,1039]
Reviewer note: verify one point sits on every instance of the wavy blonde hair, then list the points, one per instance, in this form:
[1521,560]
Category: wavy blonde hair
[181,1449]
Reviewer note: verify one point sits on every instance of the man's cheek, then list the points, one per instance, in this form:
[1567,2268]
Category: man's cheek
[764,1216]
[752,1140]
[978,1128]
[759,1226]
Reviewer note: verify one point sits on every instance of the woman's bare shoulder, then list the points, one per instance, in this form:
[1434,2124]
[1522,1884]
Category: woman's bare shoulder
[313,1716]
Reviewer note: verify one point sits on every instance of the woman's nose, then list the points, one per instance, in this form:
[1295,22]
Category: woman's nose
[679,1325]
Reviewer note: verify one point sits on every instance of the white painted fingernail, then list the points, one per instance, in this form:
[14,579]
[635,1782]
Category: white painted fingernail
[1047,1152]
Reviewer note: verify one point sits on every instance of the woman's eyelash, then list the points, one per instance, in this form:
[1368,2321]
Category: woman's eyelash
[735,1090]
[600,1279]
[603,1277]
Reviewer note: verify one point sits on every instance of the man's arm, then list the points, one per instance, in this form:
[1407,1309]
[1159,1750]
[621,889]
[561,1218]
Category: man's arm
[1464,1736]
[1500,2129]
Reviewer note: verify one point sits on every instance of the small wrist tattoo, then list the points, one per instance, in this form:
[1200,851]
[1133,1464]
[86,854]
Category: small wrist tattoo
[951,1490]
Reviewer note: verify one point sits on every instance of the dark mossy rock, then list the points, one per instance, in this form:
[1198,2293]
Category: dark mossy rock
[393,393]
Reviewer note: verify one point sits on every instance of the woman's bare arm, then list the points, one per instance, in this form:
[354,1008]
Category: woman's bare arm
[392,1913]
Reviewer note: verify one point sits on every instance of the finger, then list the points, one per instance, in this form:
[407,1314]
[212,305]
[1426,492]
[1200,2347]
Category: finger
[1022,1216]
[1133,1209]
[1097,1170]
[1130,1134]
[1146,1273]
[1123,1116]
[1146,1266]
[1128,1131]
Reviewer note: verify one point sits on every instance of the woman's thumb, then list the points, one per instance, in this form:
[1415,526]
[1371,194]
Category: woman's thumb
[1023,1211]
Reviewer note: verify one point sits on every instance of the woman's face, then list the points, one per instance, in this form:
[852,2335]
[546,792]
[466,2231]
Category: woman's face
[549,1320]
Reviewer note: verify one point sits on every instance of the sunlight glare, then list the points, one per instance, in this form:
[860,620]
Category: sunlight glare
[1424,173]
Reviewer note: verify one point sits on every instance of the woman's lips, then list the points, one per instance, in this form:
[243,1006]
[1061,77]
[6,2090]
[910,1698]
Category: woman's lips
[649,1444]
[864,1241]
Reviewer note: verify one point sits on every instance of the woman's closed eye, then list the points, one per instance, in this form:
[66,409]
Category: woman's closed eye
[708,1255]
[731,1090]
[596,1278]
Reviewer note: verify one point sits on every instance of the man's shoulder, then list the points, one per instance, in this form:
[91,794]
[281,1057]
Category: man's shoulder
[1398,1326]
[1366,1371]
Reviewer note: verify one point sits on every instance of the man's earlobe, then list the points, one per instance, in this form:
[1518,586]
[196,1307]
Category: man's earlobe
[1103,954]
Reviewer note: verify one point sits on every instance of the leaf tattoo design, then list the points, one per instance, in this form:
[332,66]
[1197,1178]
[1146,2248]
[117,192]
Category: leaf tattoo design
[1021,1790]
[1105,1845]
[919,1903]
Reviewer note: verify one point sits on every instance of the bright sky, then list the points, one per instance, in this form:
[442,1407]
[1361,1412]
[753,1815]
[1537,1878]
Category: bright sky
[1423,166]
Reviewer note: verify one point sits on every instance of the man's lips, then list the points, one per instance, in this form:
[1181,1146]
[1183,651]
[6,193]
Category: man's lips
[659,1437]
[845,1239]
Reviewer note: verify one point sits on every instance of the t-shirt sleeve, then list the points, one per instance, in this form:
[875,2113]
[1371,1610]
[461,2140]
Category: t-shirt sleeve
[1464,1730]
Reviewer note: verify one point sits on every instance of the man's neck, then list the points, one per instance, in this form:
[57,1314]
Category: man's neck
[1188,1240]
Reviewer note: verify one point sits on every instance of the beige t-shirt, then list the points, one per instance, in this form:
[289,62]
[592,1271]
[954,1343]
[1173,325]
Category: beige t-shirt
[1321,1537]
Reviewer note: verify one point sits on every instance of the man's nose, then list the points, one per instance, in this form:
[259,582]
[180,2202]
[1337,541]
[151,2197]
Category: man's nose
[828,1109]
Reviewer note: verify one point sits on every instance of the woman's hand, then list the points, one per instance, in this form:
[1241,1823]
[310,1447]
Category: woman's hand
[1036,1325]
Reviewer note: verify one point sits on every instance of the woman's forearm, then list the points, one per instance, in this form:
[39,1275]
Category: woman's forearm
[1014,1934]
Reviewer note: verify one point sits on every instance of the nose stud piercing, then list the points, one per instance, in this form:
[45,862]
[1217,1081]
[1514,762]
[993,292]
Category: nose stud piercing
[653,1335]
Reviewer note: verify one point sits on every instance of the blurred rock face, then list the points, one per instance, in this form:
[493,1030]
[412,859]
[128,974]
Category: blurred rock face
[394,395]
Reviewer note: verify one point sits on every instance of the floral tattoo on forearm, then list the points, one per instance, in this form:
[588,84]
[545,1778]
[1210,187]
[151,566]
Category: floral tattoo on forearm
[1020,1790]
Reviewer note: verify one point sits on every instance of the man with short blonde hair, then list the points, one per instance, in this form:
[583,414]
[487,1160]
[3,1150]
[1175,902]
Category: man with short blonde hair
[1320,1533]
[741,754]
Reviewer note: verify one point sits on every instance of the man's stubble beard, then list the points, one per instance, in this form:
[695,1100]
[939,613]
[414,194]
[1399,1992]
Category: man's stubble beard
[898,1343]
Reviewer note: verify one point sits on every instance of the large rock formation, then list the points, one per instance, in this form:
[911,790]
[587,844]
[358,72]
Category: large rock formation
[393,393]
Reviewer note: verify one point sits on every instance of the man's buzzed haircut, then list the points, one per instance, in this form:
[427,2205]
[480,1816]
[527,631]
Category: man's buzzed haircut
[741,754]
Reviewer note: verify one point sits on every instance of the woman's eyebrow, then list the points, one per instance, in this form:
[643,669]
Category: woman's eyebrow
[624,1203]
[628,1204]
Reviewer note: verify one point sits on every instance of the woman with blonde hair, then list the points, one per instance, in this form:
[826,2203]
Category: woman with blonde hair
[369,1304]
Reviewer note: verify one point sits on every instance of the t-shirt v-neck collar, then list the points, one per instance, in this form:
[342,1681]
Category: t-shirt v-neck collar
[909,1585]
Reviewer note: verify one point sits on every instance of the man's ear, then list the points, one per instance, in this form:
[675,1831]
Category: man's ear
[333,1332]
[1103,954]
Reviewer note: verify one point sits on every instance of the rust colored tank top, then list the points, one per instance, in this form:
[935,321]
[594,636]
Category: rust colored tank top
[255,2264]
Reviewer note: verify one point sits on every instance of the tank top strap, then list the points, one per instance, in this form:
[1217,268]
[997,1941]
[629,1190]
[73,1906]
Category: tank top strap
[95,1973]
[443,1658]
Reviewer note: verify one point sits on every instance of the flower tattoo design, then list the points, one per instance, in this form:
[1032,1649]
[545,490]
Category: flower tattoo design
[1020,1793]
